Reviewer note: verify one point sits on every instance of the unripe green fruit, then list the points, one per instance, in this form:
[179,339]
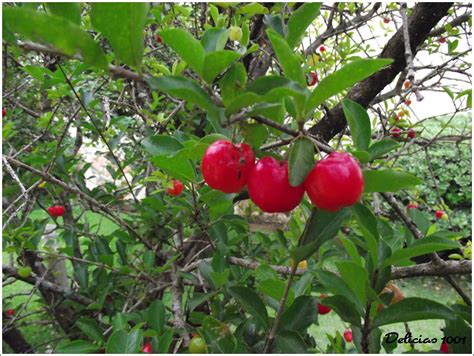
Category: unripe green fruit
[24,272]
[235,33]
[197,346]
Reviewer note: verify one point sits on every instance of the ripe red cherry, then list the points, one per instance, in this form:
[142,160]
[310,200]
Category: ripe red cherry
[146,348]
[56,210]
[159,39]
[226,166]
[348,335]
[311,79]
[395,132]
[322,49]
[386,20]
[4,113]
[411,133]
[439,214]
[322,309]
[412,206]
[442,39]
[444,347]
[10,312]
[407,101]
[177,188]
[335,182]
[270,189]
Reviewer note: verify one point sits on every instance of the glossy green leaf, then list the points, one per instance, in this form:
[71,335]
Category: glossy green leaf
[183,88]
[216,62]
[77,347]
[299,22]
[274,22]
[91,328]
[251,303]
[69,10]
[410,309]
[388,180]
[300,161]
[161,144]
[275,288]
[345,308]
[359,123]
[187,47]
[368,225]
[382,147]
[289,61]
[156,316]
[233,82]
[214,39]
[56,31]
[179,169]
[344,78]
[218,337]
[301,314]
[122,24]
[356,277]
[421,247]
[252,9]
[290,342]
[121,342]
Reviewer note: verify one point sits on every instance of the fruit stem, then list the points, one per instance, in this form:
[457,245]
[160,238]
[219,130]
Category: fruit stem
[276,322]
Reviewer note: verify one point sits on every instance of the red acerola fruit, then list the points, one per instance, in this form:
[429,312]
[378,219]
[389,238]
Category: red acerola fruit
[322,49]
[4,112]
[56,210]
[226,166]
[270,189]
[322,309]
[439,214]
[442,39]
[311,79]
[386,20]
[412,206]
[348,335]
[159,39]
[395,132]
[335,182]
[411,133]
[407,84]
[407,102]
[146,348]
[10,312]
[444,347]
[177,188]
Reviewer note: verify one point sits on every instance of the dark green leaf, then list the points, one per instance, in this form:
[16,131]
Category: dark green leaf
[345,308]
[161,144]
[274,22]
[214,39]
[382,147]
[216,62]
[300,161]
[164,341]
[156,316]
[275,289]
[121,342]
[356,277]
[77,347]
[91,328]
[299,22]
[180,169]
[252,9]
[290,342]
[388,180]
[251,303]
[218,337]
[301,314]
[368,225]
[358,122]
[68,10]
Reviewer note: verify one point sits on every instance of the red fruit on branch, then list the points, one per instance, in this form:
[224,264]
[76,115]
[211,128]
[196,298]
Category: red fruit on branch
[159,39]
[56,210]
[10,312]
[322,309]
[226,166]
[311,79]
[407,84]
[177,188]
[270,189]
[348,335]
[386,20]
[439,214]
[322,49]
[442,39]
[4,112]
[395,132]
[407,101]
[146,348]
[412,206]
[444,347]
[335,182]
[411,133]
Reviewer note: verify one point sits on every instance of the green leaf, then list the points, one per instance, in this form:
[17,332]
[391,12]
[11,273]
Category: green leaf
[301,314]
[217,336]
[164,341]
[356,277]
[56,31]
[420,247]
[91,328]
[299,22]
[359,123]
[119,322]
[252,9]
[156,316]
[345,308]
[220,278]
[382,147]
[187,47]
[216,62]
[344,78]
[290,342]
[214,39]
[77,347]
[274,22]
[251,303]
[69,10]
[233,82]
[410,309]
[121,342]
[300,161]
[275,289]
[388,180]
[122,24]
[368,225]
[289,62]
[161,144]
[183,88]
[179,169]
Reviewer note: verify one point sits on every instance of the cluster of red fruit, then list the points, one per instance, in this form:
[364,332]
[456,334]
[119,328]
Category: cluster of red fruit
[396,132]
[333,183]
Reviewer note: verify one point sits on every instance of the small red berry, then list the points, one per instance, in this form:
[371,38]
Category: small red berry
[386,20]
[412,206]
[56,210]
[322,49]
[444,347]
[226,166]
[335,182]
[10,312]
[311,79]
[322,309]
[146,348]
[411,133]
[348,335]
[439,214]
[159,39]
[177,188]
[407,101]
[270,189]
[4,112]
[442,39]
[395,132]
[407,84]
